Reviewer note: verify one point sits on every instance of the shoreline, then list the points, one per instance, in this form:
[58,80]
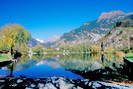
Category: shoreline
[58,83]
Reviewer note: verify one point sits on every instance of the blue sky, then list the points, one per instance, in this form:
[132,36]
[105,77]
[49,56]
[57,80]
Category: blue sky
[46,18]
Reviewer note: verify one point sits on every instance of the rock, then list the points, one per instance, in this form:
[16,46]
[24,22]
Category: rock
[14,85]
[99,84]
[2,80]
[50,86]
[59,83]
[33,85]
[90,83]
[86,81]
[79,87]
[28,88]
[40,85]
[64,85]
[96,85]
[19,81]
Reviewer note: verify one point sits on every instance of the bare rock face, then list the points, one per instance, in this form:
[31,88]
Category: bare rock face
[119,37]
[110,15]
[93,31]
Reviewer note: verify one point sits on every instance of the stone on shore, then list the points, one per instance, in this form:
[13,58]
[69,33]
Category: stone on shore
[58,83]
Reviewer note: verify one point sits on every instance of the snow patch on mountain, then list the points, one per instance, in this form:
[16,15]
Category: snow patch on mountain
[53,38]
[41,41]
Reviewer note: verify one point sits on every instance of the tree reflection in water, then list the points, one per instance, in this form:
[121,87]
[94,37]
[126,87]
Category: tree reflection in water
[109,64]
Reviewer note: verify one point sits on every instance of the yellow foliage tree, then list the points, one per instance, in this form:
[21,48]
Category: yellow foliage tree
[95,49]
[13,36]
[6,43]
[109,49]
[16,32]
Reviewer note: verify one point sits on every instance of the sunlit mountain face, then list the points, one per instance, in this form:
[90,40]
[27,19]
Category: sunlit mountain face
[91,32]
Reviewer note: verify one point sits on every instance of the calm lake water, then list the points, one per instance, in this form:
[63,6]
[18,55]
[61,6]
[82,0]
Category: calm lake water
[60,66]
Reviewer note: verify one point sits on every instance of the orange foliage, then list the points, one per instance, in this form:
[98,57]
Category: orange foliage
[119,54]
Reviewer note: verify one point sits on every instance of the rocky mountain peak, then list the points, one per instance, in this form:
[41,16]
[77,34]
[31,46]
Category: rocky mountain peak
[108,15]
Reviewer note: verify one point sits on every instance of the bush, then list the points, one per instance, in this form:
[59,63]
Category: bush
[39,49]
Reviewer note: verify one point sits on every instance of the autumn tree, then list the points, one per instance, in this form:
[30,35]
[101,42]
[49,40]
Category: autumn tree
[94,49]
[13,36]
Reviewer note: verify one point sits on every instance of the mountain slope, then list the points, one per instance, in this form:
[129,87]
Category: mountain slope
[34,42]
[93,31]
[120,36]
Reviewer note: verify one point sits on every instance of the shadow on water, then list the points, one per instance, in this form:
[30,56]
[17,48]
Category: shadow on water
[11,70]
[99,67]
[128,69]
[10,64]
[2,64]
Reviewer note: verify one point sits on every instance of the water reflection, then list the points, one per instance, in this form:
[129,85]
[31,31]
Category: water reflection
[46,67]
[90,62]
[40,66]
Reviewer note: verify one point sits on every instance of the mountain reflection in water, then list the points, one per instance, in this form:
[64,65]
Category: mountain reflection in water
[70,66]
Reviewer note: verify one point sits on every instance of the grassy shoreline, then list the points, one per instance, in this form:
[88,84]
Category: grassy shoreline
[4,58]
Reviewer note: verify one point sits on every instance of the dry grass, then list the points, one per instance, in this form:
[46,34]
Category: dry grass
[122,82]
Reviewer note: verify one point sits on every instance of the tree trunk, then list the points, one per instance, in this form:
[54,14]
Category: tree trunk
[12,51]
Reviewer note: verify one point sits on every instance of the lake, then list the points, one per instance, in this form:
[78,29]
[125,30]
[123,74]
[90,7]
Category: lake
[75,66]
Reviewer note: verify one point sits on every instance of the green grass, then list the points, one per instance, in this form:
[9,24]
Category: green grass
[129,56]
[130,59]
[4,58]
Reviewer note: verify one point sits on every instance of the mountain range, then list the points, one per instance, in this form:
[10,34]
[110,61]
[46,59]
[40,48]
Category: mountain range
[93,31]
